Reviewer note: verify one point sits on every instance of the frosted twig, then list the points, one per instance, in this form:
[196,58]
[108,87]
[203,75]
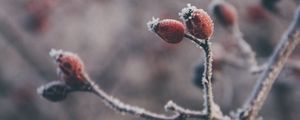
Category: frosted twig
[290,64]
[207,74]
[275,64]
[208,96]
[245,49]
[119,106]
[194,39]
[171,106]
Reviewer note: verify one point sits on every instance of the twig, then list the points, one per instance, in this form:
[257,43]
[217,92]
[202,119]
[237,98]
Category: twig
[171,106]
[119,106]
[275,64]
[290,64]
[245,49]
[207,75]
[208,96]
[194,39]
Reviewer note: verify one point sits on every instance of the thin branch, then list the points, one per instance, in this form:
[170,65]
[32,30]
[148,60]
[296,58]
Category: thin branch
[171,106]
[275,64]
[209,104]
[245,49]
[208,96]
[194,39]
[290,64]
[119,106]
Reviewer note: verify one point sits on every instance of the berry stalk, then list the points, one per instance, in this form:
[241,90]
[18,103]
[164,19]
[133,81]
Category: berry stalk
[208,96]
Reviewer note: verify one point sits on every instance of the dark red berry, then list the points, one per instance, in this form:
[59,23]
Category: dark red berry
[198,22]
[171,31]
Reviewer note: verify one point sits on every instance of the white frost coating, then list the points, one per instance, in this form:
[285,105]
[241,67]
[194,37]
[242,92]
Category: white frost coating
[41,89]
[152,24]
[186,12]
[55,53]
[169,105]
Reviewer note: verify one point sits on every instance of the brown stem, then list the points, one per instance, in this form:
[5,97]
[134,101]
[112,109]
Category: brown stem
[194,39]
[275,64]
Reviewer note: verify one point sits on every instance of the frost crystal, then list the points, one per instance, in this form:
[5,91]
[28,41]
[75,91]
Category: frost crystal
[152,24]
[41,89]
[186,13]
[55,53]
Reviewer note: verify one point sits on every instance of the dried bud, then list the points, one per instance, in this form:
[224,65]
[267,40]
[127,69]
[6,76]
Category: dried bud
[171,31]
[54,91]
[197,21]
[70,67]
[225,13]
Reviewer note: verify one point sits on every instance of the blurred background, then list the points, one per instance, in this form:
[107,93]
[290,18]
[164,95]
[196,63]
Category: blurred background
[131,63]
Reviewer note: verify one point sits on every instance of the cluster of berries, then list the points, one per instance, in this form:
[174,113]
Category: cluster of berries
[197,22]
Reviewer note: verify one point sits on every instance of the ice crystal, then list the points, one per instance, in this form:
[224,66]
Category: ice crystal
[186,13]
[152,24]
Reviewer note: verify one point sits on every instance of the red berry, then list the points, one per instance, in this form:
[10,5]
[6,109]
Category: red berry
[198,22]
[225,13]
[70,67]
[171,31]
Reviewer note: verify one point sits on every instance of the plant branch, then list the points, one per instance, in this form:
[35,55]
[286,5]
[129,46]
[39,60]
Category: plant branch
[275,64]
[119,106]
[194,39]
[245,49]
[171,106]
[208,96]
[207,75]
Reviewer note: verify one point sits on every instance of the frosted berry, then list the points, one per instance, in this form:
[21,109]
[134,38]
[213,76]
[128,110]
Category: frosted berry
[197,21]
[70,67]
[225,13]
[171,31]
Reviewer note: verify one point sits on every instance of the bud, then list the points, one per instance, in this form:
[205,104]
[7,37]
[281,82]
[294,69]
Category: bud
[197,21]
[70,67]
[54,91]
[171,31]
[224,12]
